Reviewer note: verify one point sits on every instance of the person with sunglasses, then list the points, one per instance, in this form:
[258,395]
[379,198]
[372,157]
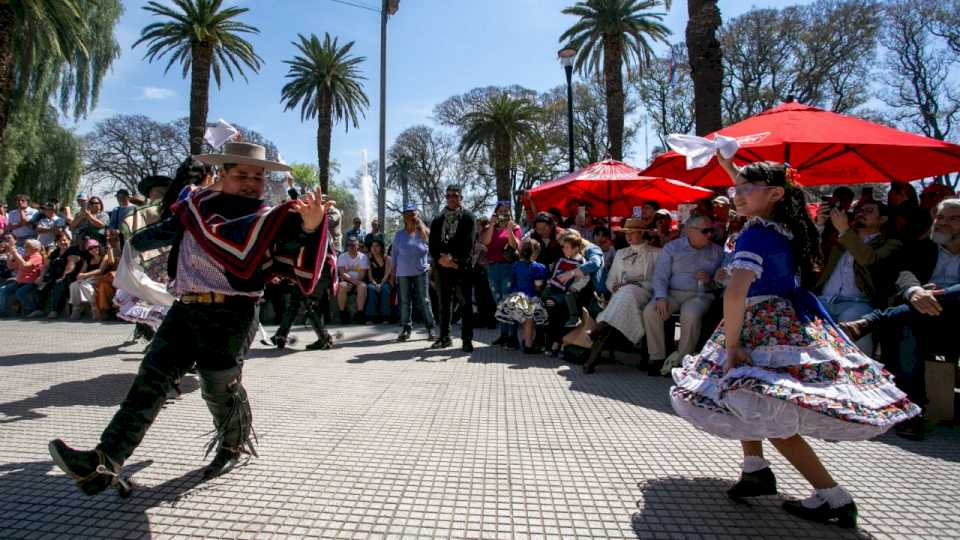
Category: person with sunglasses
[683,272]
[778,368]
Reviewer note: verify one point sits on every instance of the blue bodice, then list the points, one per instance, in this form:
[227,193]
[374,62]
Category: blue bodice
[764,248]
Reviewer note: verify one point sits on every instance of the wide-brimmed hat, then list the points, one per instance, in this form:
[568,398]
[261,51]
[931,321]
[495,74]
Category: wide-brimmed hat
[242,153]
[152,181]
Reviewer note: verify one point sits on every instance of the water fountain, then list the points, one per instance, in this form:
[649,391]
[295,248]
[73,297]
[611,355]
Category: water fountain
[366,192]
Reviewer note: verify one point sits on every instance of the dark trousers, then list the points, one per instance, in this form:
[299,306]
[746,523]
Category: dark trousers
[456,283]
[216,338]
[316,306]
[934,335]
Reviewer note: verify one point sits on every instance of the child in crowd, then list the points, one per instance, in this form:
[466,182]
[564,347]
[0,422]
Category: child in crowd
[523,306]
[564,283]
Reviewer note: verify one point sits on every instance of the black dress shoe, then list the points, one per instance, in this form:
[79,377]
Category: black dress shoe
[279,341]
[404,334]
[222,463]
[442,343]
[467,347]
[321,344]
[755,484]
[844,516]
[92,470]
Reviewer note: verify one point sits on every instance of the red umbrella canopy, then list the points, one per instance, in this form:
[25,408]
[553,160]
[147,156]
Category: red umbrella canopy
[613,188]
[825,147]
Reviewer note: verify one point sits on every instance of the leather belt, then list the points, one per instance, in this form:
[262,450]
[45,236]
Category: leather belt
[214,298]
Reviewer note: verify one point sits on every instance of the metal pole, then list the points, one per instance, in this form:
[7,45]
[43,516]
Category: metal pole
[381,173]
[569,72]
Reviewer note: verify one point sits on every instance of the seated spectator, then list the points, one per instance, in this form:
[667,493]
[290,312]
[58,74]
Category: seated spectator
[630,282]
[103,302]
[582,222]
[352,267]
[855,276]
[603,239]
[722,216]
[547,233]
[3,217]
[933,195]
[648,214]
[522,304]
[20,220]
[6,255]
[91,222]
[571,292]
[63,271]
[48,224]
[930,286]
[663,223]
[909,221]
[378,288]
[123,209]
[29,268]
[684,271]
[841,199]
[83,290]
[56,264]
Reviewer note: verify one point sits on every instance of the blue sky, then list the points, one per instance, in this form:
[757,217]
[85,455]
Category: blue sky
[436,49]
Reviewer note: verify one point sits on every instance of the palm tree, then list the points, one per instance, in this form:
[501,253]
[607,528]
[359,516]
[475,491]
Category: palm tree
[203,38]
[706,63]
[50,45]
[325,82]
[499,125]
[609,34]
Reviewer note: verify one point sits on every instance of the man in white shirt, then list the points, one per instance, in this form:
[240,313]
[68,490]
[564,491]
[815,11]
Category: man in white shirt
[20,220]
[352,267]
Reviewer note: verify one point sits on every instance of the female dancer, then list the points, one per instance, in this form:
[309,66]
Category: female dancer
[778,368]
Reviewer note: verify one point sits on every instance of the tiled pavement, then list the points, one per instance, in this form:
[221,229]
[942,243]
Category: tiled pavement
[378,439]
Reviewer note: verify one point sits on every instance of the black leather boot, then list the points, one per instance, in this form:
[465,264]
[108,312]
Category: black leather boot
[222,463]
[92,470]
[844,516]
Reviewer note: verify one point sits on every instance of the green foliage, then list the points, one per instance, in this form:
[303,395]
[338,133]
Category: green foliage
[39,157]
[629,22]
[324,69]
[305,174]
[63,48]
[346,202]
[200,21]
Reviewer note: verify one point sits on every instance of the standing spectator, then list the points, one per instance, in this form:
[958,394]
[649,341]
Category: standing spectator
[410,255]
[48,224]
[631,282]
[483,300]
[523,306]
[502,239]
[352,267]
[356,232]
[123,209]
[452,235]
[909,220]
[721,217]
[20,220]
[82,202]
[374,235]
[648,214]
[664,227]
[855,277]
[29,268]
[684,271]
[3,217]
[932,195]
[83,289]
[378,288]
[91,222]
[582,222]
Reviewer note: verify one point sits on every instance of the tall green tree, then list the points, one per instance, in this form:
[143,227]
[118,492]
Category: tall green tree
[55,46]
[325,81]
[203,37]
[609,35]
[706,63]
[39,157]
[500,125]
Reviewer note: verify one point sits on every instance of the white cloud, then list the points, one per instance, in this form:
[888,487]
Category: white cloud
[155,93]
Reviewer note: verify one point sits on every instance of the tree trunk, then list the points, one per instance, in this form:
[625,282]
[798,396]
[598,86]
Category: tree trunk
[8,22]
[613,79]
[324,129]
[501,166]
[706,63]
[202,56]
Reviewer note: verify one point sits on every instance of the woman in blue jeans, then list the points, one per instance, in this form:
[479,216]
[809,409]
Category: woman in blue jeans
[501,236]
[378,288]
[411,265]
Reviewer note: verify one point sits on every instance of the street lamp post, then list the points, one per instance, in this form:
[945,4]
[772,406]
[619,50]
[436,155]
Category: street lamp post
[566,56]
[387,8]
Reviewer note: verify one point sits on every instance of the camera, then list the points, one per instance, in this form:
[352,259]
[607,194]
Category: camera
[502,218]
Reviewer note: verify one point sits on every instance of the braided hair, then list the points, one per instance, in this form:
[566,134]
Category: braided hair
[791,211]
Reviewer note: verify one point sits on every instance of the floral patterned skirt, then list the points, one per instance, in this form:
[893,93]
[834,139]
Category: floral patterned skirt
[805,378]
[519,308]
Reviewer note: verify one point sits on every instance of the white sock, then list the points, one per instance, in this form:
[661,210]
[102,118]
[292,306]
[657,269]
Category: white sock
[752,464]
[835,496]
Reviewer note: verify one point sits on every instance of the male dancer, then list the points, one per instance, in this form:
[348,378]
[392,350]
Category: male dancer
[226,242]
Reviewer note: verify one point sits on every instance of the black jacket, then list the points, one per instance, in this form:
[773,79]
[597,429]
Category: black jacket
[918,263]
[460,247]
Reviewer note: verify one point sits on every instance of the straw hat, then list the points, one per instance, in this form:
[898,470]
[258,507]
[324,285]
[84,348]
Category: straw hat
[242,153]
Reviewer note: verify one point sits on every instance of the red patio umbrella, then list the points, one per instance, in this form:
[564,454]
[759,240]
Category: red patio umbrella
[825,147]
[613,188]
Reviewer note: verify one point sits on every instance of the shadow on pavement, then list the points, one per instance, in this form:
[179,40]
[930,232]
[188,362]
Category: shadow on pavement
[34,502]
[103,391]
[691,507]
[45,358]
[941,442]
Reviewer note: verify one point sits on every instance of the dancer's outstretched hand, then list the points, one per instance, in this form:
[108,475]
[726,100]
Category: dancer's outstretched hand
[312,209]
[736,357]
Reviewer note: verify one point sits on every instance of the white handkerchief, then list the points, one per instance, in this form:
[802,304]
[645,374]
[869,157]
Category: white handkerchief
[699,151]
[219,133]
